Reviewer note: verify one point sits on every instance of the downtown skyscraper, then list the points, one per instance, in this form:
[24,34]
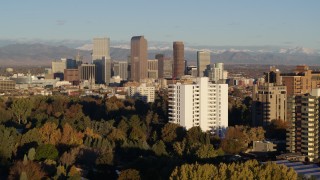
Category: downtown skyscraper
[139,58]
[203,61]
[178,59]
[101,58]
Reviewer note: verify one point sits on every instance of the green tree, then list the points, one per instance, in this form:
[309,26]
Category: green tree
[172,132]
[9,140]
[32,135]
[21,108]
[137,134]
[206,151]
[159,148]
[46,151]
[194,171]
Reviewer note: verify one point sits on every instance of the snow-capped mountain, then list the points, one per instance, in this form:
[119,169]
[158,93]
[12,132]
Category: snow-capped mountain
[298,50]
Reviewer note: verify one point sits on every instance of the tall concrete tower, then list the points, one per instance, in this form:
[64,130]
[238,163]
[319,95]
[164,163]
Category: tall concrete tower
[178,59]
[139,58]
[203,60]
[101,58]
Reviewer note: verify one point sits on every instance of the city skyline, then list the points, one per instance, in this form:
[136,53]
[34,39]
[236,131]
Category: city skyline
[245,23]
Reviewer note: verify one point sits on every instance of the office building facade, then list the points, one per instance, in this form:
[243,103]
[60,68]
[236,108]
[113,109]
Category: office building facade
[139,57]
[101,58]
[160,58]
[120,68]
[87,72]
[203,61]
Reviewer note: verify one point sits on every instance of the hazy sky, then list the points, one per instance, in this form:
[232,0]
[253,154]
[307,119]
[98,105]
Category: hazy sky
[198,22]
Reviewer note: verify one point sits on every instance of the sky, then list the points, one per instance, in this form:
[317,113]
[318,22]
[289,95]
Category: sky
[196,22]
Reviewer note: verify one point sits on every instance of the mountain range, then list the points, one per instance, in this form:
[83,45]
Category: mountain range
[41,53]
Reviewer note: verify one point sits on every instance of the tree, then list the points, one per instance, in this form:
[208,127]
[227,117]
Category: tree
[206,151]
[5,115]
[116,135]
[194,171]
[172,132]
[33,135]
[31,169]
[68,158]
[235,141]
[73,171]
[159,148]
[50,133]
[31,154]
[196,136]
[129,174]
[9,140]
[46,151]
[248,170]
[71,136]
[21,108]
[137,134]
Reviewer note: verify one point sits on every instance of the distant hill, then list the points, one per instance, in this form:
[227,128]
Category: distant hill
[41,54]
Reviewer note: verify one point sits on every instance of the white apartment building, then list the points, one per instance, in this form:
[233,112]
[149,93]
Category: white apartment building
[199,104]
[142,92]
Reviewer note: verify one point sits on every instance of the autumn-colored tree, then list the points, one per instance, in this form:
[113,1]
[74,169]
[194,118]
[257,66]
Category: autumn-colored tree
[129,174]
[71,136]
[89,132]
[68,158]
[116,135]
[50,133]
[73,171]
[235,141]
[31,169]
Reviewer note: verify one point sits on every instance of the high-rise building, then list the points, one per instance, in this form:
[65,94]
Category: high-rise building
[160,58]
[303,131]
[139,57]
[217,73]
[199,104]
[87,72]
[167,68]
[269,99]
[101,58]
[301,81]
[58,66]
[70,63]
[153,69]
[269,103]
[203,61]
[178,60]
[120,68]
